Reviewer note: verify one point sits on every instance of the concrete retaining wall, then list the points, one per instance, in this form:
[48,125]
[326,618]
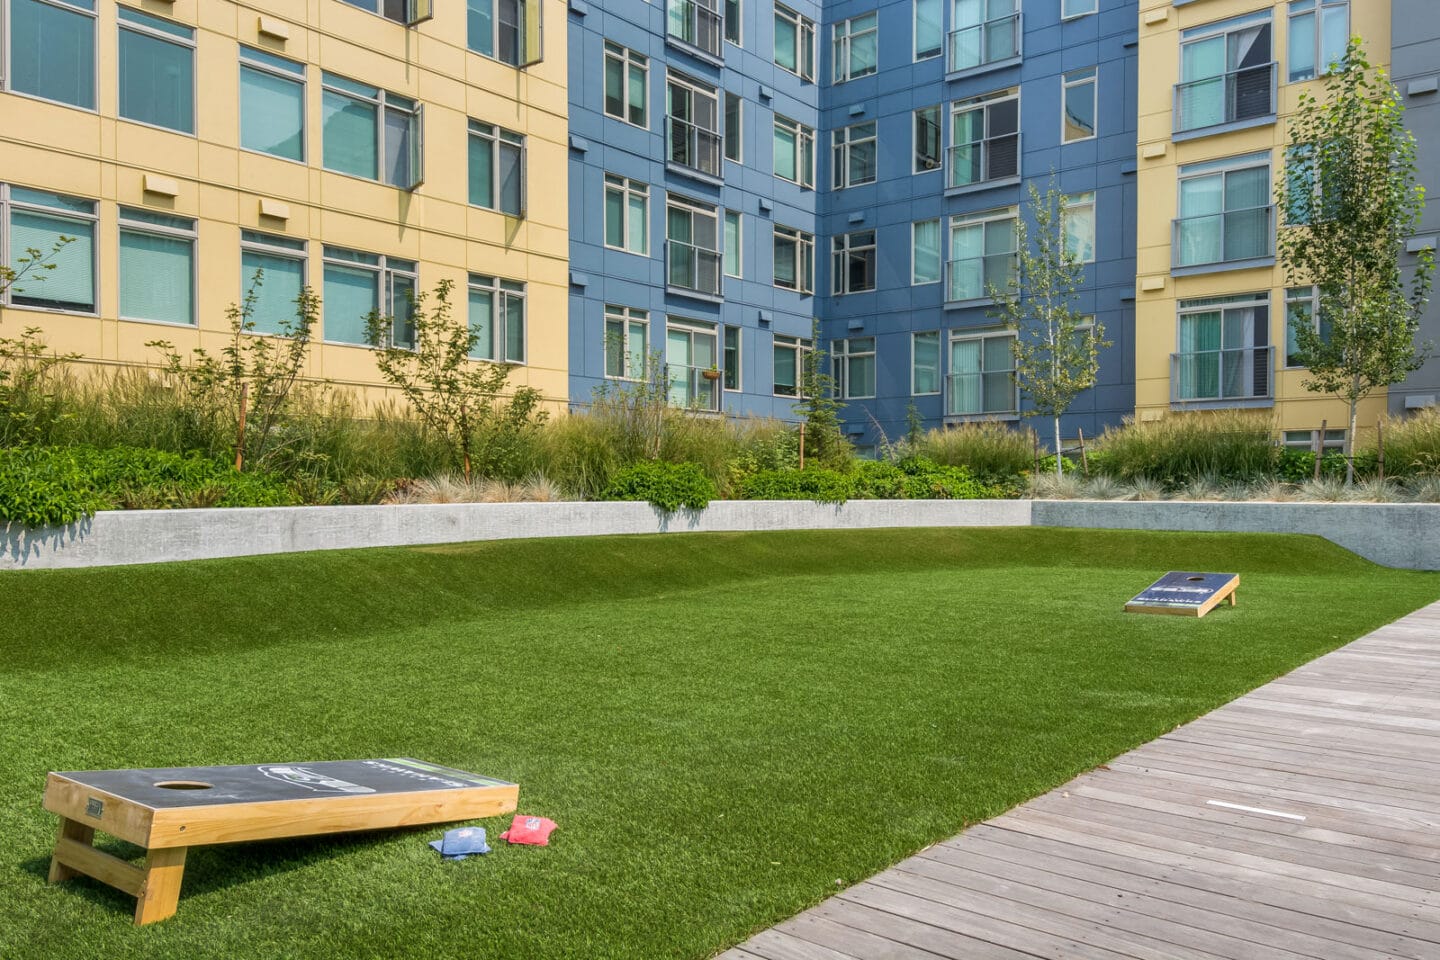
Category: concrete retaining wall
[1396,535]
[114,538]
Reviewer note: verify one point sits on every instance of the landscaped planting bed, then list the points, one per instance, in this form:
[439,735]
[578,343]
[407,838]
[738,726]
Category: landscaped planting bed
[727,727]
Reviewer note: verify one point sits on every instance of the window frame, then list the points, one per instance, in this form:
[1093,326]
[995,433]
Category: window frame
[939,252]
[1067,14]
[733,140]
[140,27]
[695,90]
[842,142]
[915,391]
[842,250]
[984,104]
[1294,296]
[1071,200]
[844,40]
[8,253]
[522,28]
[1072,80]
[1223,167]
[693,328]
[805,53]
[802,347]
[982,218]
[497,137]
[915,154]
[625,317]
[386,269]
[804,259]
[739,19]
[726,367]
[842,357]
[915,55]
[696,10]
[192,235]
[414,11]
[959,335]
[803,134]
[502,291]
[630,61]
[300,77]
[628,188]
[739,264]
[381,102]
[7,75]
[1315,10]
[984,64]
[1222,304]
[696,209]
[262,242]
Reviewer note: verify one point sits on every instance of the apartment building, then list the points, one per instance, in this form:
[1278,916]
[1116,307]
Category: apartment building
[367,148]
[1212,304]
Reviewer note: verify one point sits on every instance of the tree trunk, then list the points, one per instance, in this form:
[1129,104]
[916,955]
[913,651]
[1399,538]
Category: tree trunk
[1059,460]
[1349,445]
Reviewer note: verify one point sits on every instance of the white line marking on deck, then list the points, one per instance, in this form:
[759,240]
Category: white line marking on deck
[1268,813]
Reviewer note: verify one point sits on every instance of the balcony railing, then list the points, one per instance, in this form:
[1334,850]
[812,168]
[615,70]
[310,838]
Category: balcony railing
[1219,375]
[693,146]
[972,279]
[1246,94]
[691,389]
[696,24]
[1229,237]
[990,42]
[994,158]
[691,268]
[978,394]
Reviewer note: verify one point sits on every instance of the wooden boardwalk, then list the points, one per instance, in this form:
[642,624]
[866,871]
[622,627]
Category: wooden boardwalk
[1301,820]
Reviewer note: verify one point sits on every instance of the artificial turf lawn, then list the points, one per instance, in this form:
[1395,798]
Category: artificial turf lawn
[727,727]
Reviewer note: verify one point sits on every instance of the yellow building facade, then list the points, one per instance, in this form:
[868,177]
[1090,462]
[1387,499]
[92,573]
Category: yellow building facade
[1217,80]
[184,144]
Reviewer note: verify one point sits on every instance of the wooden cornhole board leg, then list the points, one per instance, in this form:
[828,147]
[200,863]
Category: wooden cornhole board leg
[155,887]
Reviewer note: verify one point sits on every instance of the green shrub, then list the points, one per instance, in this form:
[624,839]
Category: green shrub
[1181,447]
[990,450]
[914,478]
[668,486]
[40,488]
[1297,465]
[813,483]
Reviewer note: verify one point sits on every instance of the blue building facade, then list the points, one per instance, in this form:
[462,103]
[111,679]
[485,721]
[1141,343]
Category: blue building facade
[874,188]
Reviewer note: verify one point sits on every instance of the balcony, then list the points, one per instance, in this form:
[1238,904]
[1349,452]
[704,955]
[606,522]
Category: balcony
[696,26]
[989,44]
[691,389]
[1234,100]
[691,149]
[1221,377]
[980,394]
[692,270]
[992,160]
[1231,240]
[971,280]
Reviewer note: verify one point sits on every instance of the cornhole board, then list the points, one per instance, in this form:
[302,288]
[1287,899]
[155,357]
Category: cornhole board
[170,809]
[1186,594]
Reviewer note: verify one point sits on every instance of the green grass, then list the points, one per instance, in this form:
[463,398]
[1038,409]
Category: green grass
[727,728]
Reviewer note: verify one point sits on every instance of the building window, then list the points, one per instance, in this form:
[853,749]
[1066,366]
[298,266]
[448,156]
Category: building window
[692,247]
[983,32]
[1315,45]
[359,285]
[855,47]
[371,133]
[627,215]
[794,260]
[733,243]
[1226,73]
[497,169]
[627,342]
[852,364]
[398,10]
[505,30]
[732,22]
[733,126]
[1077,93]
[852,262]
[1077,8]
[982,375]
[1302,308]
[157,267]
[497,318]
[795,42]
[1077,219]
[690,353]
[929,31]
[1305,440]
[275,305]
[1225,211]
[157,71]
[925,363]
[925,252]
[985,139]
[1223,352]
[627,77]
[695,22]
[927,137]
[52,50]
[789,362]
[272,104]
[692,125]
[33,220]
[853,155]
[982,255]
[731,364]
[794,152]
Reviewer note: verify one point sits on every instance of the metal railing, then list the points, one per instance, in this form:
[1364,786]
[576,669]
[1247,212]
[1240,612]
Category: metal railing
[688,267]
[700,26]
[988,42]
[972,278]
[1237,95]
[993,158]
[975,394]
[1235,235]
[691,389]
[693,146]
[1239,374]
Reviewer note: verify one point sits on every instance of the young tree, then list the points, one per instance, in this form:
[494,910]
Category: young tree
[819,408]
[26,362]
[455,395]
[1350,197]
[1056,348]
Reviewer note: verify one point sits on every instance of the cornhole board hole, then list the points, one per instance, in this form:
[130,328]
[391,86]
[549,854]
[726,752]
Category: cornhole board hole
[171,809]
[1186,594]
